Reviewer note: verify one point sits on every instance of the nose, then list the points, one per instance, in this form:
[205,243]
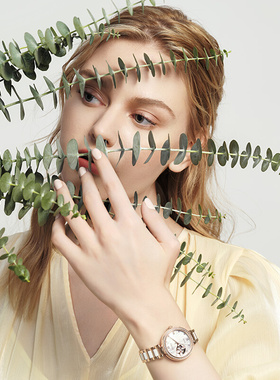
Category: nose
[106,124]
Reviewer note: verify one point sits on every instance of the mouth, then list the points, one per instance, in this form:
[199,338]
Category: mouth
[84,162]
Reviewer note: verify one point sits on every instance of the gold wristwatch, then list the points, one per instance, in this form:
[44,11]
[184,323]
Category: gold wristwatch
[176,344]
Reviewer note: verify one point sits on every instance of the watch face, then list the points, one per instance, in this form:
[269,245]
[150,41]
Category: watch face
[177,343]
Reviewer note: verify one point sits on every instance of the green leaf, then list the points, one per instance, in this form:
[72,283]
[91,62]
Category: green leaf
[105,16]
[30,42]
[167,211]
[47,156]
[37,96]
[65,32]
[196,152]
[5,182]
[79,28]
[52,89]
[15,55]
[163,68]
[267,160]
[135,200]
[100,144]
[123,68]
[152,145]
[43,216]
[111,72]
[3,241]
[186,59]
[136,148]
[98,78]
[121,147]
[173,59]
[223,155]
[257,156]
[129,7]
[275,165]
[48,200]
[195,54]
[138,71]
[50,41]
[234,151]
[165,153]
[188,217]
[212,151]
[2,231]
[23,211]
[72,154]
[4,110]
[183,144]
[82,82]
[37,154]
[65,210]
[150,64]
[7,160]
[66,86]
[43,58]
[9,204]
[27,156]
[207,291]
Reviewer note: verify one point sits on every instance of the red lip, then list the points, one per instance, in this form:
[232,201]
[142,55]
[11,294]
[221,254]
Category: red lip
[83,162]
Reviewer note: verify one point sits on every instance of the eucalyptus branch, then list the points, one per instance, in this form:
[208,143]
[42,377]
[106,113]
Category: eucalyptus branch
[15,264]
[123,69]
[38,54]
[205,270]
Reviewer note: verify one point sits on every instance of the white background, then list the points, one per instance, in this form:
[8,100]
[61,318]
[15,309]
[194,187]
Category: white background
[249,111]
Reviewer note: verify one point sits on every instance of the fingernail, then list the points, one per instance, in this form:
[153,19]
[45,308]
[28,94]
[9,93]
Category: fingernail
[57,184]
[82,171]
[96,154]
[149,204]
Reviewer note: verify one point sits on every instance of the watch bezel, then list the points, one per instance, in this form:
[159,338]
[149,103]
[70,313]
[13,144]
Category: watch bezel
[163,343]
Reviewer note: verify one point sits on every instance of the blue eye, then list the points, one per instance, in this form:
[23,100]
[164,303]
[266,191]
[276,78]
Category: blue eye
[89,98]
[140,119]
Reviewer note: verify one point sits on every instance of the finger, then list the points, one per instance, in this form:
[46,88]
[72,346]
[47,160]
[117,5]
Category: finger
[80,227]
[67,248]
[93,201]
[112,184]
[158,228]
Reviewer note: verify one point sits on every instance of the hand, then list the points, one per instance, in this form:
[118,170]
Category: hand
[122,262]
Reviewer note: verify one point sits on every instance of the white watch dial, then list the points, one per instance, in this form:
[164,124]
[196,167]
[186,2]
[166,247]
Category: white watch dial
[177,344]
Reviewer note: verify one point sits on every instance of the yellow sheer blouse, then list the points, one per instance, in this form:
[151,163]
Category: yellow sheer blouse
[50,347]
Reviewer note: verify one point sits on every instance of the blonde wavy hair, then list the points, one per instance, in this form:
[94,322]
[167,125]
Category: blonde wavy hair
[170,29]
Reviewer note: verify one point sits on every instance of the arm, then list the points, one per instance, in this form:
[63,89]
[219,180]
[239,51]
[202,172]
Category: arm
[119,268]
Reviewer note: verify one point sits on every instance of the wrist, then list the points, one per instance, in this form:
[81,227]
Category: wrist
[150,317]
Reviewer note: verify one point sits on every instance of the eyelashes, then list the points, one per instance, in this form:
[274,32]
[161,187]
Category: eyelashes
[139,118]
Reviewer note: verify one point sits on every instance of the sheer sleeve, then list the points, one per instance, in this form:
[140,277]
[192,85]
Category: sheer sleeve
[249,351]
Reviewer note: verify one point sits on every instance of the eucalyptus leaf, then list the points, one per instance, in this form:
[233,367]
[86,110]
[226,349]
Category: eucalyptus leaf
[165,153]
[79,28]
[136,148]
[72,154]
[196,152]
[212,151]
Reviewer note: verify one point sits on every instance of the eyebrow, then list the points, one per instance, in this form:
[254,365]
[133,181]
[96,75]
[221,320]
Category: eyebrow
[138,100]
[152,102]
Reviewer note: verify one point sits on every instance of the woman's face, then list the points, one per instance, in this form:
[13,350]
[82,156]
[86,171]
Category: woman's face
[159,104]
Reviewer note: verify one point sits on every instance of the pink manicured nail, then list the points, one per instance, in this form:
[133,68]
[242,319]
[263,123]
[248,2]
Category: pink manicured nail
[57,184]
[82,171]
[96,154]
[149,203]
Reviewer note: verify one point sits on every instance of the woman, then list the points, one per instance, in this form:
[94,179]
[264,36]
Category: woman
[88,316]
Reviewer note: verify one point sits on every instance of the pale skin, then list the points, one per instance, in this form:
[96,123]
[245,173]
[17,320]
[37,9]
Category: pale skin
[117,267]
